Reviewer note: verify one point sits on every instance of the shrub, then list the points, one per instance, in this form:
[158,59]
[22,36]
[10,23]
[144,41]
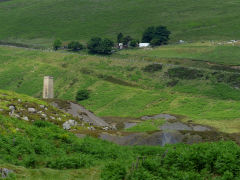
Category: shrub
[184,73]
[41,123]
[153,67]
[70,162]
[75,46]
[57,44]
[82,95]
[113,171]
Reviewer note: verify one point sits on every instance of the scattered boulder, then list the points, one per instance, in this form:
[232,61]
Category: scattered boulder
[42,106]
[1,110]
[44,115]
[91,128]
[32,110]
[105,128]
[25,118]
[4,172]
[68,124]
[12,108]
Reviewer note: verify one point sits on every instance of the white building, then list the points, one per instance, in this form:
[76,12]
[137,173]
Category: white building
[120,45]
[143,45]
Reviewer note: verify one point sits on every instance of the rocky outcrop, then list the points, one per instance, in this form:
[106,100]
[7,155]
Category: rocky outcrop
[83,114]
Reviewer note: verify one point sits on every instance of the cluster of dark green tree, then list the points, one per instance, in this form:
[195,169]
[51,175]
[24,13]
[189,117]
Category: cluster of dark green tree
[156,36]
[95,45]
[127,40]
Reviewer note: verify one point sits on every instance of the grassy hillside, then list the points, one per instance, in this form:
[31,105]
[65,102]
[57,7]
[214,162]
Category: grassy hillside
[39,22]
[226,54]
[40,149]
[121,87]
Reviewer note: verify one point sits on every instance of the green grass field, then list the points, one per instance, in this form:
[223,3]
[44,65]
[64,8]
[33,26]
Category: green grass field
[40,22]
[227,54]
[119,86]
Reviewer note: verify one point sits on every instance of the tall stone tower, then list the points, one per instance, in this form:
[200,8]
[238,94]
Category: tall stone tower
[48,87]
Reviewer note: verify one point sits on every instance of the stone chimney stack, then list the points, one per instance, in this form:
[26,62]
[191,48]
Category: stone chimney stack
[48,87]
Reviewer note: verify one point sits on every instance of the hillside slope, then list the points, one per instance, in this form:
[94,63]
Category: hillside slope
[121,87]
[41,150]
[39,22]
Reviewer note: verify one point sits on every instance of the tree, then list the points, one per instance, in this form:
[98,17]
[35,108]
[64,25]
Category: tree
[98,46]
[134,43]
[75,46]
[120,38]
[57,44]
[106,46]
[93,44]
[148,34]
[156,36]
[126,40]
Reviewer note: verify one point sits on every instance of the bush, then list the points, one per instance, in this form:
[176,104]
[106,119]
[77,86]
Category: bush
[99,46]
[75,46]
[41,123]
[153,67]
[82,95]
[57,44]
[184,73]
[70,162]
[114,171]
[134,43]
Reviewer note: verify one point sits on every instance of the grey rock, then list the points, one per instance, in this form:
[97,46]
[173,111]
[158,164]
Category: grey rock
[159,116]
[177,126]
[105,128]
[52,117]
[19,100]
[200,128]
[16,115]
[92,128]
[80,112]
[68,124]
[44,115]
[1,110]
[4,172]
[25,118]
[12,108]
[31,110]
[42,106]
[129,125]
